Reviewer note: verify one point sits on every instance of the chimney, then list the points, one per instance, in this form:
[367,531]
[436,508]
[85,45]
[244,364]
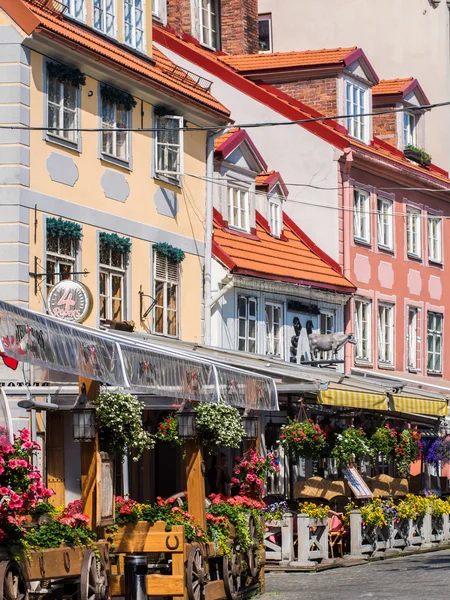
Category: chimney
[239,24]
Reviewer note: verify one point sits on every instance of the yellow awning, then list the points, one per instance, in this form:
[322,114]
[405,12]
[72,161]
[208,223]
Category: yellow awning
[419,406]
[353,399]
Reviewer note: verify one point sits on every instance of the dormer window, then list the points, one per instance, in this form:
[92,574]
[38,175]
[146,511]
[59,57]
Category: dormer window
[276,223]
[356,105]
[75,9]
[409,129]
[105,16]
[238,208]
[133,16]
[209,23]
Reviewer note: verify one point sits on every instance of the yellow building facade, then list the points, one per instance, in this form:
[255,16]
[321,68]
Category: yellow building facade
[123,210]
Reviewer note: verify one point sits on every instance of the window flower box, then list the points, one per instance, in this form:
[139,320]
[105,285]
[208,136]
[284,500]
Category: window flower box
[417,155]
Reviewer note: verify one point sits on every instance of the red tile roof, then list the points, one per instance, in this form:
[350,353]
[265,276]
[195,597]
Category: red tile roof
[283,60]
[225,144]
[219,141]
[391,86]
[269,179]
[292,259]
[160,72]
[330,131]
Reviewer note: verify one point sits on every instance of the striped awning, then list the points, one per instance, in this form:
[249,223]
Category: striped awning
[419,406]
[353,399]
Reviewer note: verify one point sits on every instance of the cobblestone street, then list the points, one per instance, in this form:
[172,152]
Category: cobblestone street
[411,578]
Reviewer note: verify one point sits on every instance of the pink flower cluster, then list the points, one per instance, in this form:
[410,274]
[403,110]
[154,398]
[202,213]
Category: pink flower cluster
[243,501]
[21,485]
[73,515]
[250,474]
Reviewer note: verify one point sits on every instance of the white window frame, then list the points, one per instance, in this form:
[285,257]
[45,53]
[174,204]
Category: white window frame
[133,27]
[266,17]
[434,227]
[362,216]
[357,126]
[75,9]
[109,271]
[275,217]
[413,338]
[166,147]
[414,231]
[385,223]
[385,337]
[363,329]
[62,137]
[433,334]
[272,341]
[113,156]
[238,201]
[246,340]
[212,26]
[60,260]
[409,129]
[101,6]
[168,279]
[325,318]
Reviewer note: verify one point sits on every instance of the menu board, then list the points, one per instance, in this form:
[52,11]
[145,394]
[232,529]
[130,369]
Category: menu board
[356,482]
[105,490]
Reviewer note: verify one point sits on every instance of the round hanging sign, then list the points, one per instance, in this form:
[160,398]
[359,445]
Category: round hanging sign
[70,301]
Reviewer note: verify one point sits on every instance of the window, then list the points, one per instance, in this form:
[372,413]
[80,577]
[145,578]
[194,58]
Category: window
[209,23]
[413,237]
[115,143]
[409,129]
[386,334]
[166,285]
[274,323]
[385,237]
[362,216]
[276,224]
[356,105]
[60,263]
[413,337]
[326,327]
[75,8]
[238,208]
[265,33]
[62,109]
[112,283]
[434,335]
[169,146]
[134,23]
[363,334]
[104,16]
[247,315]
[434,239]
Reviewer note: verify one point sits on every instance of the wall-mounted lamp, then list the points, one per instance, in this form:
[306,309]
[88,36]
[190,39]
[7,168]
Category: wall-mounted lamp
[83,418]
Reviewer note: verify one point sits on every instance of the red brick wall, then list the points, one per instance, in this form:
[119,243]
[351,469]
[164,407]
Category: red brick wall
[385,126]
[239,20]
[317,93]
[179,15]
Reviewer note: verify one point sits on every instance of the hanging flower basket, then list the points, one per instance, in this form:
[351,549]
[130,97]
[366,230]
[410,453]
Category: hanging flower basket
[303,438]
[350,446]
[219,425]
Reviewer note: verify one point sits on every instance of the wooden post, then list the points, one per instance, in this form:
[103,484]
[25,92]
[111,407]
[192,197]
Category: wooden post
[89,461]
[195,481]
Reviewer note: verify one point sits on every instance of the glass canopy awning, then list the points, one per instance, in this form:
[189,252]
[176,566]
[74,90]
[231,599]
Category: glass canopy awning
[127,362]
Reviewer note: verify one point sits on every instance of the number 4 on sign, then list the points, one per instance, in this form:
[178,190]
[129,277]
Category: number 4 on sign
[68,300]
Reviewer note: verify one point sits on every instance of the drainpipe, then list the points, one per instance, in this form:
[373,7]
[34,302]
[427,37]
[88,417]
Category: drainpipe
[209,233]
[347,217]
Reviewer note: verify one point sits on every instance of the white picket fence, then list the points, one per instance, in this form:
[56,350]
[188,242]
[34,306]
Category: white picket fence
[309,545]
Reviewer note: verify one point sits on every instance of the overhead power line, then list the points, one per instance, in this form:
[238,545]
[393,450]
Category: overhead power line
[224,127]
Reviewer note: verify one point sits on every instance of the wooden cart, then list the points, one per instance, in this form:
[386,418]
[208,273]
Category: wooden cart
[196,571]
[57,572]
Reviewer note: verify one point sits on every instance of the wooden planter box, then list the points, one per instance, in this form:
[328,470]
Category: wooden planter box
[416,157]
[54,563]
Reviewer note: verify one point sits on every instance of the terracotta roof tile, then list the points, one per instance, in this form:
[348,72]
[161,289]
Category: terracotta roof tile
[225,137]
[262,178]
[391,86]
[280,60]
[160,71]
[287,259]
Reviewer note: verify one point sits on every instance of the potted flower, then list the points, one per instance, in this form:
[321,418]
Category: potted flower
[417,155]
[303,438]
[168,431]
[350,446]
[250,473]
[274,514]
[383,441]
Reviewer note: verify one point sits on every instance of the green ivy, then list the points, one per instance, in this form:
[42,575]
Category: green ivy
[115,242]
[66,74]
[118,97]
[176,255]
[63,229]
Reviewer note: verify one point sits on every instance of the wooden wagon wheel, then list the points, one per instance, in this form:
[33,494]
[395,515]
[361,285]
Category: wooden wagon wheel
[253,558]
[196,576]
[93,580]
[232,574]
[12,582]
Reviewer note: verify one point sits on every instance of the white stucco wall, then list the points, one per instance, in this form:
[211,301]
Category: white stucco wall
[300,156]
[401,38]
